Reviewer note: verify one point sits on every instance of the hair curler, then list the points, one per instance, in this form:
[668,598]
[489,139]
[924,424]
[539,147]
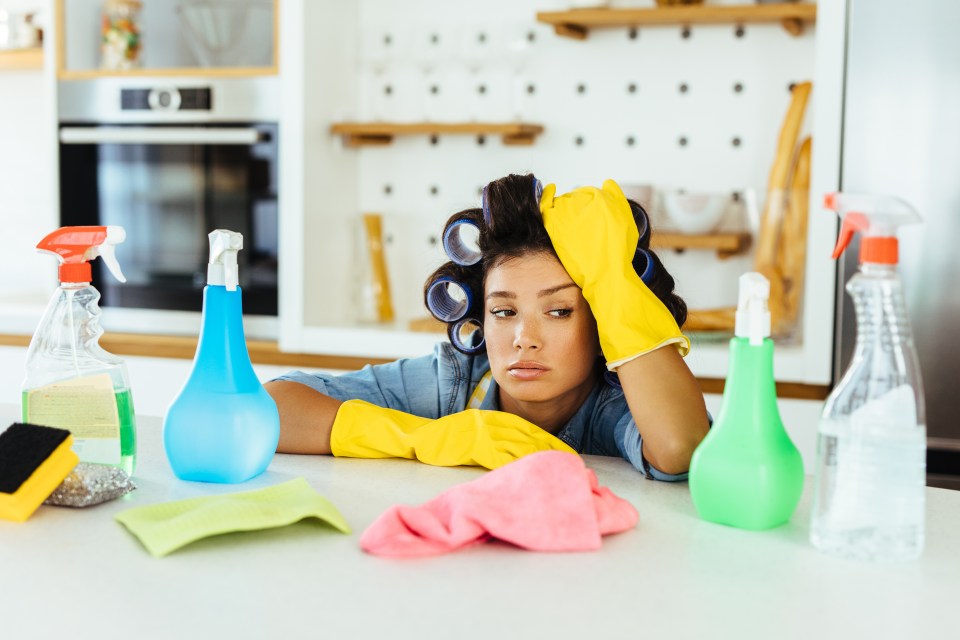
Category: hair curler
[448,300]
[643,223]
[463,335]
[460,242]
[643,265]
[537,193]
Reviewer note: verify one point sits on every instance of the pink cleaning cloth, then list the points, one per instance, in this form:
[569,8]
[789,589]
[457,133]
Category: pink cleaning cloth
[546,501]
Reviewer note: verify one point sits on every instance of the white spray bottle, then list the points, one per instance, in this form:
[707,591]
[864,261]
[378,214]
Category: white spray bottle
[871,453]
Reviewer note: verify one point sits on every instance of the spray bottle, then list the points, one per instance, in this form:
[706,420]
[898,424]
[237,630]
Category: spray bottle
[71,382]
[871,451]
[747,473]
[223,426]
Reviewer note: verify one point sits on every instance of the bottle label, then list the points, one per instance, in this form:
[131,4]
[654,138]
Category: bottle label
[87,407]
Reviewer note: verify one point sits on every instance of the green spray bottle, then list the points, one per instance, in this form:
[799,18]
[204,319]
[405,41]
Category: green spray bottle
[747,473]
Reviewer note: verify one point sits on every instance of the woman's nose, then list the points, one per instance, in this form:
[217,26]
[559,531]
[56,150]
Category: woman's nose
[527,336]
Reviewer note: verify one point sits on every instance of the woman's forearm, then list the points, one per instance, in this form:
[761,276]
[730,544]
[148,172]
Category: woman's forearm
[306,417]
[667,404]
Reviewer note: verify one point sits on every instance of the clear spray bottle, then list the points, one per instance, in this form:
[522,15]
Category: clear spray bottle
[871,453]
[71,382]
[223,426]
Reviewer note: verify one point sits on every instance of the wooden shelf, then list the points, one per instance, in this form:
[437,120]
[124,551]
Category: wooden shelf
[577,23]
[725,244]
[21,59]
[185,72]
[358,134]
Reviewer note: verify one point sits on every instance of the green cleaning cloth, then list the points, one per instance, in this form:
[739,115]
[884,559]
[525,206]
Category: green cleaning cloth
[165,527]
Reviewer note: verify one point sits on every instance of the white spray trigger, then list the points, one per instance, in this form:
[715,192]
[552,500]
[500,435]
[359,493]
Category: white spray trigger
[222,268]
[115,235]
[753,312]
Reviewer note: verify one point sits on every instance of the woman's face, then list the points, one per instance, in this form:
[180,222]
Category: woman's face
[540,333]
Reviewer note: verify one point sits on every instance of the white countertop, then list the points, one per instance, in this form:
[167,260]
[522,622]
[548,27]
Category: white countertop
[79,574]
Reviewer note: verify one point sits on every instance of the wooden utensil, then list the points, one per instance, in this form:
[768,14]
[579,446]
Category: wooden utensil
[373,226]
[774,233]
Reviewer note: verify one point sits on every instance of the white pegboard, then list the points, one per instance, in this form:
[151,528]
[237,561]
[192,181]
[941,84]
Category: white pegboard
[696,109]
[328,73]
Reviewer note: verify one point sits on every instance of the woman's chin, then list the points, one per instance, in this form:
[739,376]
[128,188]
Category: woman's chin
[530,391]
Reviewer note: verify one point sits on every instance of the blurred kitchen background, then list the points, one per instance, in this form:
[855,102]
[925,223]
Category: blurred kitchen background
[338,136]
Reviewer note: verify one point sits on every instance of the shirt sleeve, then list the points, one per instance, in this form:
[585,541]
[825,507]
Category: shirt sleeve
[408,385]
[431,386]
[630,443]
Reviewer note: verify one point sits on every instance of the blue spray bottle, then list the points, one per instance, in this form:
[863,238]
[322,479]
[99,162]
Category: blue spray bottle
[223,426]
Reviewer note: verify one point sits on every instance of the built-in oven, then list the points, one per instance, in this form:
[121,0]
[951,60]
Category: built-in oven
[169,163]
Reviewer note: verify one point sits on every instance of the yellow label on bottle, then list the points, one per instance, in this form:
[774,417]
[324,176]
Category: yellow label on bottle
[87,407]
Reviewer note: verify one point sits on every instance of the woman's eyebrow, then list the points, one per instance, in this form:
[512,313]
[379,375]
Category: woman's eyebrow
[540,294]
[552,290]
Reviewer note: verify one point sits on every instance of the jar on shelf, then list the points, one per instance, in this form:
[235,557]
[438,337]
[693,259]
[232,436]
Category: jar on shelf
[120,43]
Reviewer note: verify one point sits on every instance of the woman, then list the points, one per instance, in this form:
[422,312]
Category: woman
[555,287]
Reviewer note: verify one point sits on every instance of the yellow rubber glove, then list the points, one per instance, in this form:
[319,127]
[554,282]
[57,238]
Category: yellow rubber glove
[595,237]
[472,437]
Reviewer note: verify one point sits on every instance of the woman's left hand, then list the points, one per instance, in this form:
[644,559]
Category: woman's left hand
[595,237]
[592,230]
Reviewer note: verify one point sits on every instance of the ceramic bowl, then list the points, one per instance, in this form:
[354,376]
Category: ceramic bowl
[695,212]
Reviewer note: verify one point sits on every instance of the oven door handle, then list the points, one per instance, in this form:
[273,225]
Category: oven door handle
[159,135]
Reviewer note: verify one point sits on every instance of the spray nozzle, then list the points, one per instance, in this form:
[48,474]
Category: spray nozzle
[877,218]
[77,246]
[753,312]
[222,268]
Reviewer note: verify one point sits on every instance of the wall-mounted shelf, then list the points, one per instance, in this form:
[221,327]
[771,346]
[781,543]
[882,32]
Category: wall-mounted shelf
[81,61]
[577,23]
[21,59]
[185,72]
[358,134]
[725,244]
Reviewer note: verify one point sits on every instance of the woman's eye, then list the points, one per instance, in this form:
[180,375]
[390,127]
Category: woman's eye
[560,313]
[502,313]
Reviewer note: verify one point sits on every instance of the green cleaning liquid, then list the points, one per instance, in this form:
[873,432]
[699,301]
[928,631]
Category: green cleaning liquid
[127,428]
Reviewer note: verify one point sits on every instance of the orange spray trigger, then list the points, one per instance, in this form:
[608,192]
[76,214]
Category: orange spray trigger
[852,223]
[75,247]
[877,218]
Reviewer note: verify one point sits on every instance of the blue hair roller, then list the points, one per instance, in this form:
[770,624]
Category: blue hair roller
[448,299]
[457,248]
[470,343]
[537,194]
[485,205]
[645,229]
[648,270]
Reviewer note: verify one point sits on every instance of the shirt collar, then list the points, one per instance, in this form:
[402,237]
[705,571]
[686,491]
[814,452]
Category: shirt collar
[572,432]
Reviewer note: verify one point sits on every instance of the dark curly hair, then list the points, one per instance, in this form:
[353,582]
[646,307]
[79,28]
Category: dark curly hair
[516,229]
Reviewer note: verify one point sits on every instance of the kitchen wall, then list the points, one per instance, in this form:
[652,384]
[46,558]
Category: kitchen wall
[711,114]
[28,184]
[699,112]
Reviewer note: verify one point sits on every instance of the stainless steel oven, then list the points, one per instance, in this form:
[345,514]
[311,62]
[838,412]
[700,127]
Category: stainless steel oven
[170,162]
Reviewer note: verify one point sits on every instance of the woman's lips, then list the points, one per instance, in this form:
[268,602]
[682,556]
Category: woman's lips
[527,370]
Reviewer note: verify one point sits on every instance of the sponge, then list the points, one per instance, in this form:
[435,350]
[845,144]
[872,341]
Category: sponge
[34,460]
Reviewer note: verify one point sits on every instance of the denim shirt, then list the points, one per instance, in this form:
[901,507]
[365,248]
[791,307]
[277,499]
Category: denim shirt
[442,383]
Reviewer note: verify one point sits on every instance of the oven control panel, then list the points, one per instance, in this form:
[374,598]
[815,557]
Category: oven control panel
[166,99]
